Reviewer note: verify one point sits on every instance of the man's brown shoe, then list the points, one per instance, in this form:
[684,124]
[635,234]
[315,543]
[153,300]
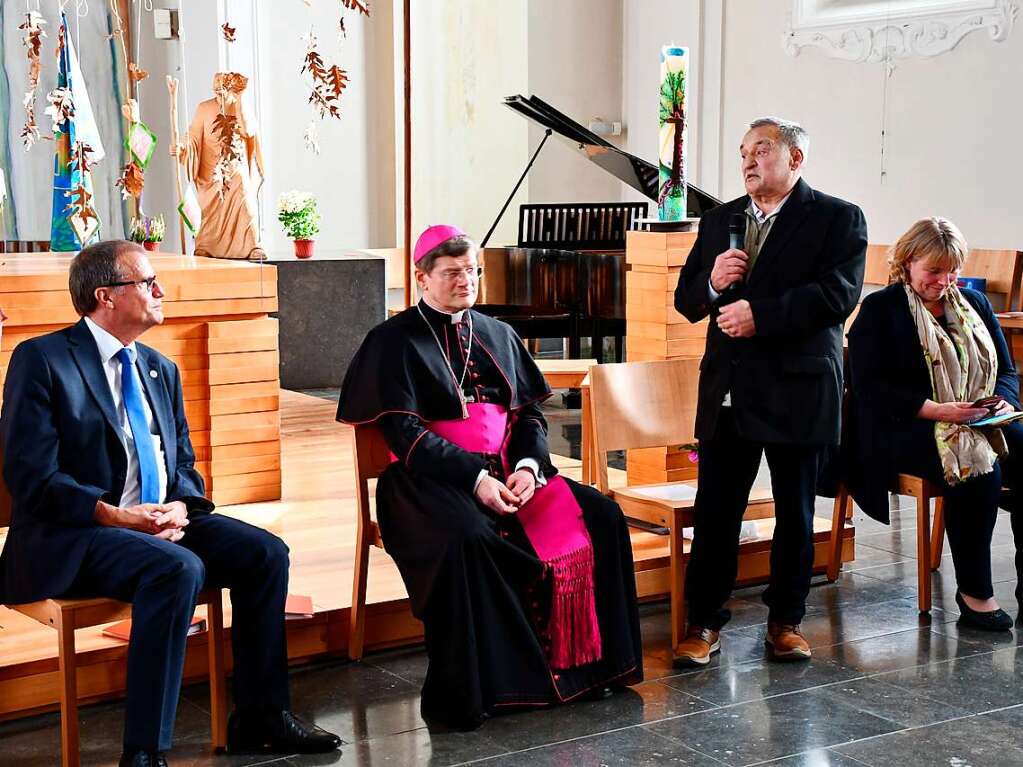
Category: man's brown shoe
[697,647]
[787,642]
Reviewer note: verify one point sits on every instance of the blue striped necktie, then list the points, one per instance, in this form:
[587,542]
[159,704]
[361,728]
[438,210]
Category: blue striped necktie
[149,477]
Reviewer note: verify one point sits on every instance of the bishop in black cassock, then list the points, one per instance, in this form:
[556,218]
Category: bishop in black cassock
[523,579]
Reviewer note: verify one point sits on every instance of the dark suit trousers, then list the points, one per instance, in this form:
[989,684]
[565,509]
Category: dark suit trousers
[728,466]
[971,507]
[162,581]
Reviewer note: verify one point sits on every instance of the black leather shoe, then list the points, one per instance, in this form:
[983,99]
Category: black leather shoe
[600,692]
[142,759]
[276,732]
[993,620]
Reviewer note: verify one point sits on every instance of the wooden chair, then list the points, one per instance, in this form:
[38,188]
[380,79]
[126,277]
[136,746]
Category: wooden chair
[928,545]
[876,270]
[66,615]
[372,456]
[1003,270]
[572,374]
[653,404]
[24,246]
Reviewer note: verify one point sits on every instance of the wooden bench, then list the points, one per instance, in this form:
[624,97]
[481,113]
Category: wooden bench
[67,615]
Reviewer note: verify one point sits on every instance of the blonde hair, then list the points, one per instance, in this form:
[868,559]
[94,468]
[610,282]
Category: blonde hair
[936,239]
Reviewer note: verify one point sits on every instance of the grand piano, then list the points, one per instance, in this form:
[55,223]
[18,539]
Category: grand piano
[565,278]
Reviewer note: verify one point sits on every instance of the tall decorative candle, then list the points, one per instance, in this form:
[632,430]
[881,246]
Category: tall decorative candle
[673,119]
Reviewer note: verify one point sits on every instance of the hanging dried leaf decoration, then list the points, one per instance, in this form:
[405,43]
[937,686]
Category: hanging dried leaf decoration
[131,181]
[61,31]
[81,202]
[229,139]
[33,42]
[34,33]
[136,74]
[80,209]
[79,158]
[312,138]
[30,131]
[313,63]
[228,32]
[342,33]
[61,108]
[328,82]
[337,81]
[355,5]
[130,111]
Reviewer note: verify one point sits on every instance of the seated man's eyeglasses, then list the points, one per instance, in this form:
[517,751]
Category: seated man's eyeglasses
[149,282]
[471,273]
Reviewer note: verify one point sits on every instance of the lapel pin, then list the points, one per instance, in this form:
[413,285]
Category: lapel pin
[152,374]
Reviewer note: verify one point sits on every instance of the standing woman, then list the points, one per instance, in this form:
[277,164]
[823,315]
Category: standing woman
[920,352]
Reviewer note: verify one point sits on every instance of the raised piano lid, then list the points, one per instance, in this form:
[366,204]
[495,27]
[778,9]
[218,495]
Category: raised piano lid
[637,173]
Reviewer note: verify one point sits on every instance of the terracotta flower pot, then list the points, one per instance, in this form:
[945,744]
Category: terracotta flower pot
[151,246]
[304,248]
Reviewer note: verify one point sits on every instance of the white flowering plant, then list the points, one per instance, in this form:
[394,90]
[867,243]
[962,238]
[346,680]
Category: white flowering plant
[147,229]
[298,213]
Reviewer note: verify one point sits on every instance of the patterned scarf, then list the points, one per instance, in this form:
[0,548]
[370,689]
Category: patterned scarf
[963,365]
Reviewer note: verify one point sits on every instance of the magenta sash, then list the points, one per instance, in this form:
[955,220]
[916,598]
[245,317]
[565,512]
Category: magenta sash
[553,522]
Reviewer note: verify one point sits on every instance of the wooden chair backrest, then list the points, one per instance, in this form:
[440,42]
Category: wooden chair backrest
[876,271]
[24,246]
[642,404]
[1003,270]
[372,456]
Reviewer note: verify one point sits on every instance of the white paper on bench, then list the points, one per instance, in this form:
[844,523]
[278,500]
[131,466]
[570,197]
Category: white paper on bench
[677,492]
[748,532]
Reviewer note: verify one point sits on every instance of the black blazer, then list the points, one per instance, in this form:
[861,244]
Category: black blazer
[888,383]
[61,454]
[786,380]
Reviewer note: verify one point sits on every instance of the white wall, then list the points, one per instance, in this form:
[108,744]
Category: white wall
[574,58]
[467,149]
[952,125]
[345,176]
[160,58]
[952,121]
[648,26]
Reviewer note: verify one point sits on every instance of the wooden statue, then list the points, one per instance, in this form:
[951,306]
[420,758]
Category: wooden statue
[222,157]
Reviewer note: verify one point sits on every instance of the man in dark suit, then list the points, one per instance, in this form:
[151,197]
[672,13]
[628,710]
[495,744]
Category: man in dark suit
[106,502]
[771,376]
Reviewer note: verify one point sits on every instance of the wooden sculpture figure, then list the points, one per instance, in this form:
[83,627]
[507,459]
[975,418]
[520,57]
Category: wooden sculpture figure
[222,157]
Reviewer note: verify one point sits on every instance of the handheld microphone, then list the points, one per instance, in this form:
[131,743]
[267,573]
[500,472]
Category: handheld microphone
[736,240]
[737,231]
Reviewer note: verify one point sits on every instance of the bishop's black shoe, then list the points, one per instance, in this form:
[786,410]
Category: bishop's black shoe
[276,732]
[142,759]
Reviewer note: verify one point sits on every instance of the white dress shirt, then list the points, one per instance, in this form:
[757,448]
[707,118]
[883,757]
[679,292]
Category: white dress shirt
[109,346]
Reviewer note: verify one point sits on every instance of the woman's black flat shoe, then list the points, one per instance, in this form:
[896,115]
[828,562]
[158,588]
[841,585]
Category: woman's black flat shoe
[994,620]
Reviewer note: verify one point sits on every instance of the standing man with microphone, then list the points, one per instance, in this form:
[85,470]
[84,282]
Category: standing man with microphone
[778,270]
